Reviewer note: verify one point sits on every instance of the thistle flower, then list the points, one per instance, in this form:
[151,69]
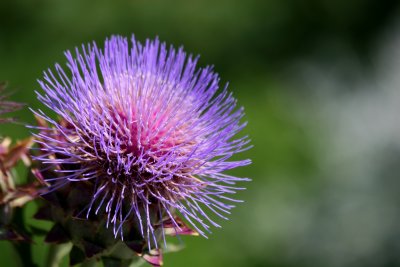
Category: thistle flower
[13,196]
[147,131]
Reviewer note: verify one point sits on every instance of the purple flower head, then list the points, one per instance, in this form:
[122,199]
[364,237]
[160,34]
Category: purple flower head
[151,132]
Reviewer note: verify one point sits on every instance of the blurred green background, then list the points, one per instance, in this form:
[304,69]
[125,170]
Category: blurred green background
[319,83]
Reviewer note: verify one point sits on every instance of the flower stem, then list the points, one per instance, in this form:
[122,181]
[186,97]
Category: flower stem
[24,249]
[57,253]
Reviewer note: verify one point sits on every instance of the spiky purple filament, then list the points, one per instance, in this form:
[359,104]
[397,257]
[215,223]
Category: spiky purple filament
[150,132]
